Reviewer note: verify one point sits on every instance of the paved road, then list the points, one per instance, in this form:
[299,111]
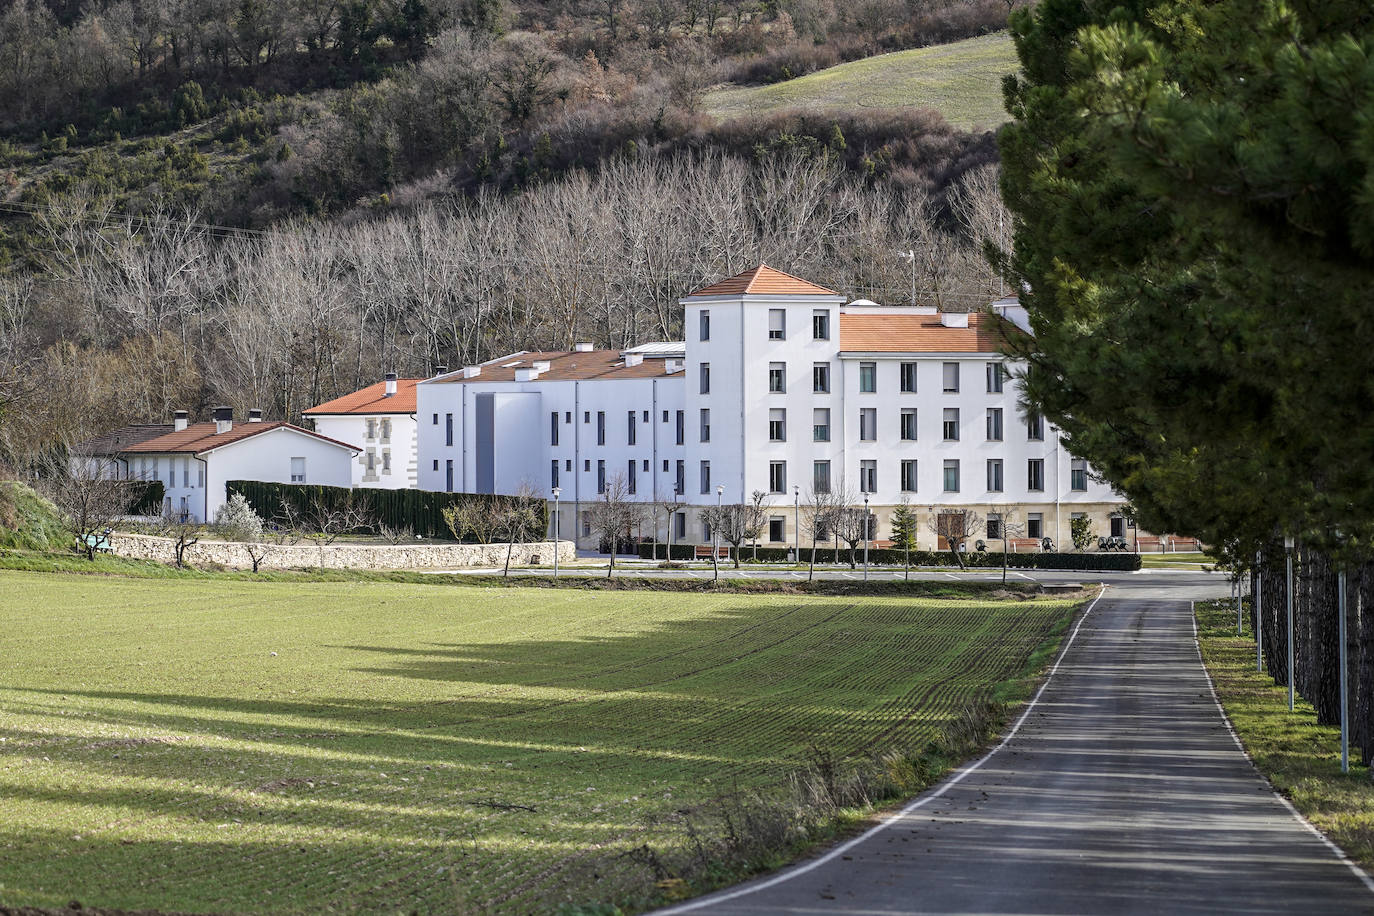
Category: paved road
[1122,792]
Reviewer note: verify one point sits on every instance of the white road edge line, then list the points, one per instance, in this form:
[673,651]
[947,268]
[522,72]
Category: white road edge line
[833,854]
[1297,815]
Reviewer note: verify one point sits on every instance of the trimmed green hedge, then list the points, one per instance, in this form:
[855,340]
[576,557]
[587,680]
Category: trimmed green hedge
[148,496]
[419,510]
[889,556]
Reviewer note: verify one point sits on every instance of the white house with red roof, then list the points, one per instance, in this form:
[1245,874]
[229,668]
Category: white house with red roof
[195,460]
[381,419]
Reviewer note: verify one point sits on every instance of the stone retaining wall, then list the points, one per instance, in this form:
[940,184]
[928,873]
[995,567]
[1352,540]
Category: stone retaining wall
[342,556]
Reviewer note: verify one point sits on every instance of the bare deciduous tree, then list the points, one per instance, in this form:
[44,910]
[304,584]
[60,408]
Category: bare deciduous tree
[89,500]
[614,515]
[955,526]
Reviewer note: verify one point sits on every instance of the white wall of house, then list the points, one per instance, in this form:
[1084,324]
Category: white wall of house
[196,484]
[388,459]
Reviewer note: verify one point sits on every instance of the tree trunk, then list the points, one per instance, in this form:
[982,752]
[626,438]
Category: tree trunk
[811,573]
[510,546]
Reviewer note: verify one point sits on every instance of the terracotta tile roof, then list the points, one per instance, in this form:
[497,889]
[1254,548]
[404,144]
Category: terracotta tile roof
[868,333]
[565,366]
[201,437]
[372,400]
[764,281]
[116,440]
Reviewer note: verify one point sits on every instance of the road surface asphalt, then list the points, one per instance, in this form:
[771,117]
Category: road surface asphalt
[1122,791]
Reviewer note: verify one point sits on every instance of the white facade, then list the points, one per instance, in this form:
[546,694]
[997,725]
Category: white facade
[380,419]
[752,370]
[387,459]
[194,478]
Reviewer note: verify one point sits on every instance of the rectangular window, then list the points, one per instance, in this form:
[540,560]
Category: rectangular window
[385,427]
[553,428]
[681,427]
[706,477]
[646,465]
[994,530]
[567,416]
[586,416]
[680,478]
[994,373]
[951,424]
[952,475]
[994,475]
[448,475]
[435,420]
[646,417]
[705,378]
[777,477]
[1035,427]
[777,324]
[820,324]
[586,524]
[951,373]
[567,465]
[868,424]
[371,462]
[820,424]
[601,427]
[200,475]
[909,424]
[630,476]
[448,429]
[436,464]
[630,435]
[298,470]
[665,465]
[868,476]
[186,472]
[601,475]
[704,325]
[371,427]
[777,528]
[553,474]
[908,377]
[1035,474]
[705,424]
[994,424]
[680,525]
[909,475]
[868,377]
[665,416]
[777,377]
[586,465]
[820,378]
[1035,525]
[820,476]
[777,424]
[1078,475]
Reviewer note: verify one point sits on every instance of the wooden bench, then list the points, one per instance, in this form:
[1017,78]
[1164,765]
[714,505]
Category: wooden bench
[880,545]
[100,542]
[1180,545]
[703,552]
[1023,545]
[1148,543]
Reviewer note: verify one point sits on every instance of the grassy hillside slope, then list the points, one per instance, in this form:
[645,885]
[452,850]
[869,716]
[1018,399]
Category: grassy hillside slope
[229,746]
[28,521]
[962,80]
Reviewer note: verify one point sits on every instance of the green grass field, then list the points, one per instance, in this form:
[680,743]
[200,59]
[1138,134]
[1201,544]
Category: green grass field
[1301,758]
[961,80]
[1175,560]
[292,747]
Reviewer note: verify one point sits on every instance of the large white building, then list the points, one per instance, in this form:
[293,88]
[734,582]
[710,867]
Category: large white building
[781,386]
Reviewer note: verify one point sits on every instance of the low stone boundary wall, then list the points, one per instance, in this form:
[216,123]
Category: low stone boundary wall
[234,555]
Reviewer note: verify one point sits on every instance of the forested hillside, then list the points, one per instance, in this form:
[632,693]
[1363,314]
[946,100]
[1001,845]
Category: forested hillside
[267,204]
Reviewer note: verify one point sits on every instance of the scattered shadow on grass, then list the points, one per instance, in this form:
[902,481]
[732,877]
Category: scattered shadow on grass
[775,712]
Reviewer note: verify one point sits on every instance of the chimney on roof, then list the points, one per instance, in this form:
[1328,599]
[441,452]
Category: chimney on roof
[224,419]
[526,374]
[633,359]
[472,371]
[255,415]
[179,420]
[441,370]
[954,319]
[582,347]
[391,384]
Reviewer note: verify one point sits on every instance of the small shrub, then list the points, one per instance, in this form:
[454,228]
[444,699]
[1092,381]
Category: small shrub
[237,521]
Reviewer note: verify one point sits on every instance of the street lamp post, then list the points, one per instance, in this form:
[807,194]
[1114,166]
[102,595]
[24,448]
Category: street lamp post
[557,492]
[796,522]
[715,536]
[865,537]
